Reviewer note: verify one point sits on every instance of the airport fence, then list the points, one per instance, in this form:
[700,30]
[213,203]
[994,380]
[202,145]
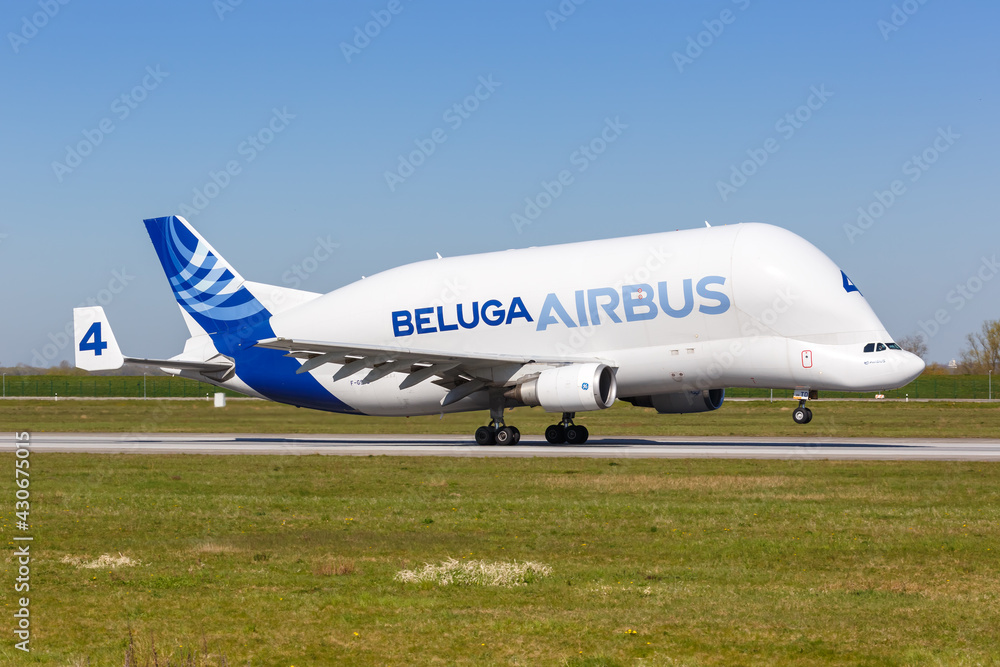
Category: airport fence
[941,387]
[106,386]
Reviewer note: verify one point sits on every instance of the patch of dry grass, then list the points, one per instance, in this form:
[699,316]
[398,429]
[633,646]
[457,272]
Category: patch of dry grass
[645,483]
[335,567]
[215,548]
[103,561]
[476,573]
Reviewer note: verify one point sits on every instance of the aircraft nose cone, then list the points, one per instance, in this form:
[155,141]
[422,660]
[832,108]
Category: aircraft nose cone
[910,367]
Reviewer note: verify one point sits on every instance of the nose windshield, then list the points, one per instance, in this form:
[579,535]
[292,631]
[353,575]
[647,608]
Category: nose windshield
[881,347]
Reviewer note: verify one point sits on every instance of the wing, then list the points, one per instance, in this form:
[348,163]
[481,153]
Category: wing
[462,373]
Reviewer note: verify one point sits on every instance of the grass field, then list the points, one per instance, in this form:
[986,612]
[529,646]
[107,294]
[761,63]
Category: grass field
[97,386]
[734,418]
[274,560]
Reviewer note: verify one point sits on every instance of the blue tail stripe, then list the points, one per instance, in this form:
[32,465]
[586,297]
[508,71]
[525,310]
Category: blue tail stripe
[207,269]
[203,283]
[203,271]
[210,290]
[214,292]
[181,250]
[214,283]
[221,300]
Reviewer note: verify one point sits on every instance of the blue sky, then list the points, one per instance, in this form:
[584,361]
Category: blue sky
[200,79]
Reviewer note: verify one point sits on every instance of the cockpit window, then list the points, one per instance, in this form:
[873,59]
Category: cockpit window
[893,346]
[880,347]
[870,347]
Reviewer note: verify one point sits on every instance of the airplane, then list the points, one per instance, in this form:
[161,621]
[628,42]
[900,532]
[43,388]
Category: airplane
[665,320]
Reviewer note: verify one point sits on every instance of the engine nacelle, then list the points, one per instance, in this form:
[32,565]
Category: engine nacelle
[575,388]
[681,402]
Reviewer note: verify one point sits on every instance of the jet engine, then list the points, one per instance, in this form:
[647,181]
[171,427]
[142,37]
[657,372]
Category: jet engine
[575,388]
[681,402]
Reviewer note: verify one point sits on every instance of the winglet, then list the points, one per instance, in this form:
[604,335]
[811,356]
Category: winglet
[94,342]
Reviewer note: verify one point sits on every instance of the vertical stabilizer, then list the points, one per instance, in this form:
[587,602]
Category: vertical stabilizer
[206,286]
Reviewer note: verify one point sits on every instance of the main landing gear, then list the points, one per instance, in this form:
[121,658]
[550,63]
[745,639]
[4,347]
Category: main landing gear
[566,431]
[496,432]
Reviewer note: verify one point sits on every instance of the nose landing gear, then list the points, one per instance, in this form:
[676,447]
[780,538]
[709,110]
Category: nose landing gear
[802,414]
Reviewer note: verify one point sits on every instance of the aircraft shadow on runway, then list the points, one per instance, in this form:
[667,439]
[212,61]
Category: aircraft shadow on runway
[592,444]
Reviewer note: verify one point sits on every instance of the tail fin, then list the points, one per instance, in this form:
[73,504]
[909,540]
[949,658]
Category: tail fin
[206,286]
[94,342]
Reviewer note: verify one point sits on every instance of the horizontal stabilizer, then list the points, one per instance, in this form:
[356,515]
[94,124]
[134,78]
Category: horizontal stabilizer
[220,370]
[97,349]
[201,366]
[94,343]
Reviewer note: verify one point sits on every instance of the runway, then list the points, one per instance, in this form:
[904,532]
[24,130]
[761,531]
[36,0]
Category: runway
[842,449]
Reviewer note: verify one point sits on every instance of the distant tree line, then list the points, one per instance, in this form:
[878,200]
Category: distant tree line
[66,368]
[980,355]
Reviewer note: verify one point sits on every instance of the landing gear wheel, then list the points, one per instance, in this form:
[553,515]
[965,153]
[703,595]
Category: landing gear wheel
[802,415]
[485,436]
[809,415]
[577,435]
[505,436]
[517,435]
[555,434]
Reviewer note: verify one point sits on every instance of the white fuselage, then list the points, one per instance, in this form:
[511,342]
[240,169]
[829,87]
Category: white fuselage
[746,305]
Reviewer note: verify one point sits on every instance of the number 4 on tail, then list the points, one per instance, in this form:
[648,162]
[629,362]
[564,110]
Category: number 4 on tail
[92,340]
[96,347]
